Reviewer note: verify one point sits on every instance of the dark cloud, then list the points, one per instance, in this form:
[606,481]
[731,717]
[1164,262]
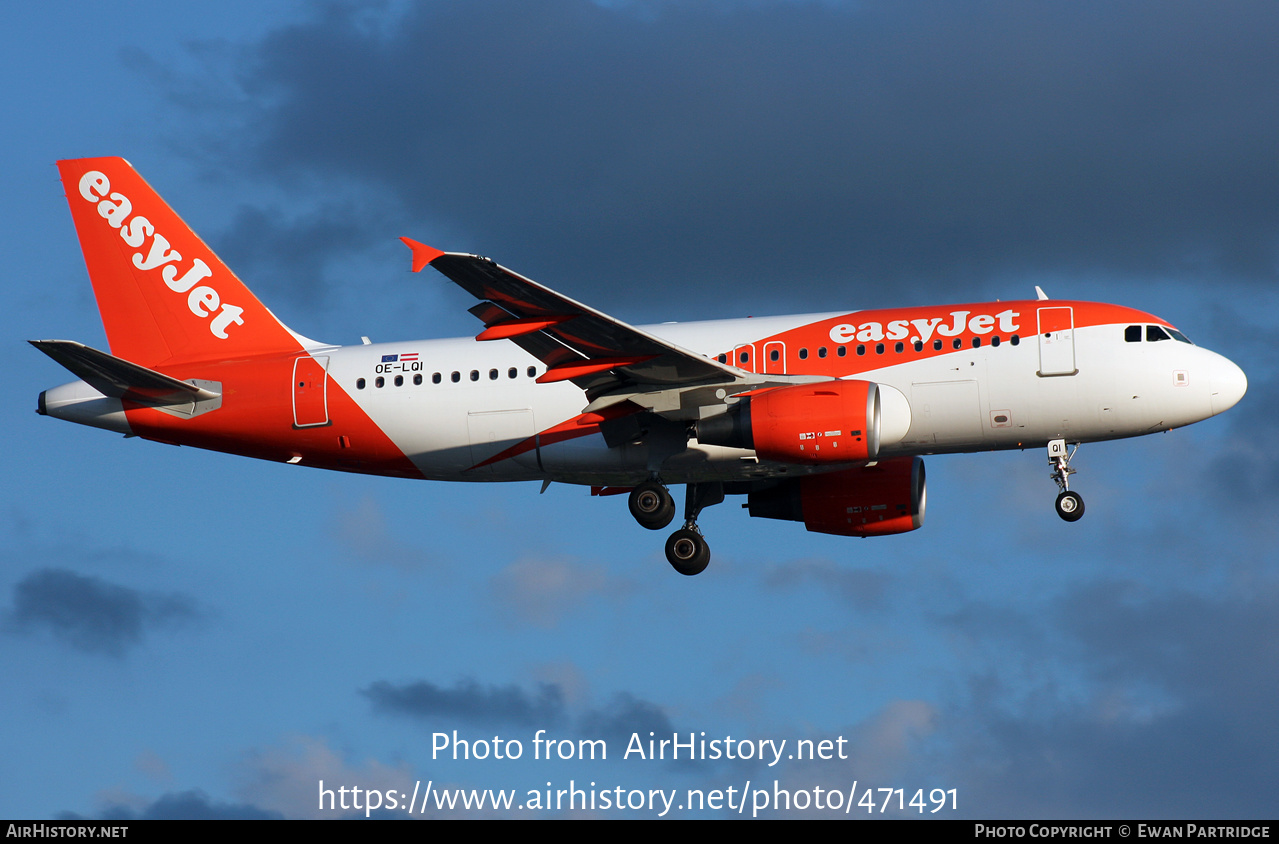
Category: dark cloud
[687,148]
[91,614]
[469,701]
[184,805]
[1170,713]
[287,256]
[862,589]
[626,714]
[1244,475]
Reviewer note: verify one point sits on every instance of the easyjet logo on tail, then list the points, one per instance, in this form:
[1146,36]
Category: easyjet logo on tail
[202,300]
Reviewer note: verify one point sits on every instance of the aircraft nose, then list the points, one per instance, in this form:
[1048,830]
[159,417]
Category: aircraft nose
[1228,385]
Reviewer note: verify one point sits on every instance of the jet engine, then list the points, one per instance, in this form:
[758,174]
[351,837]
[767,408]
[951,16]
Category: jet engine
[885,498]
[823,423]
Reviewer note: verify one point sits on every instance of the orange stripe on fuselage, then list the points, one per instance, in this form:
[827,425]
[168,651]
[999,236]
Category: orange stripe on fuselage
[256,420]
[907,325]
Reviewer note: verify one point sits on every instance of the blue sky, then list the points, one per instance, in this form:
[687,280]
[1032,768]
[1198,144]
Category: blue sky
[186,633]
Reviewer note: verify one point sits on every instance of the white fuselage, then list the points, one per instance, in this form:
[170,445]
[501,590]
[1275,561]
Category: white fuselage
[971,399]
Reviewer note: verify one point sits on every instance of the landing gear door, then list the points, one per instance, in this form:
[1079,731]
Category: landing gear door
[310,391]
[1056,341]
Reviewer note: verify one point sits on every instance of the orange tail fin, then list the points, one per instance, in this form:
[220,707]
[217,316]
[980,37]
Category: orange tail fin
[163,295]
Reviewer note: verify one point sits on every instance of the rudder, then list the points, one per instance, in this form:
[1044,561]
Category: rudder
[163,294]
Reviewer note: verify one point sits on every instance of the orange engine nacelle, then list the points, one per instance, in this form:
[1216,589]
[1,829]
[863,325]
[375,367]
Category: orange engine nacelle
[878,500]
[827,422]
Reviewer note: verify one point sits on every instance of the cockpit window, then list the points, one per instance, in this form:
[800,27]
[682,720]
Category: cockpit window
[1132,334]
[1178,336]
[1154,333]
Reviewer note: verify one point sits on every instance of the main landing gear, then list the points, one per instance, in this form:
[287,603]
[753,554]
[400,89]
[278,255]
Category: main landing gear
[652,506]
[1070,505]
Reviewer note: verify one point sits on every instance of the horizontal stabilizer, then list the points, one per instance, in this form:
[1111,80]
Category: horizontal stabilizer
[118,378]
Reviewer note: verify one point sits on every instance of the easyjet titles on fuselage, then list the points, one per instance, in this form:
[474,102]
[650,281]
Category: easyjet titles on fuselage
[899,329]
[203,301]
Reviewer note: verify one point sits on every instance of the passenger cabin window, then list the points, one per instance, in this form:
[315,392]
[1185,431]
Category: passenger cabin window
[803,354]
[359,383]
[435,379]
[456,376]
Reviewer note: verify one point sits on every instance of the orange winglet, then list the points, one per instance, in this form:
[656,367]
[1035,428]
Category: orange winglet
[519,327]
[422,254]
[566,371]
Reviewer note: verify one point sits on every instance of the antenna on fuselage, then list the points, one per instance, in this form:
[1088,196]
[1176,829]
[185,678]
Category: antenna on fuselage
[1039,292]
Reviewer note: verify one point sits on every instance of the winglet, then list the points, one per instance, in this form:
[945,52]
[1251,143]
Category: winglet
[422,254]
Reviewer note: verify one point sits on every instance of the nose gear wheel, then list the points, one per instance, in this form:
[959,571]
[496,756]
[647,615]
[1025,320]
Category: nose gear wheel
[1070,505]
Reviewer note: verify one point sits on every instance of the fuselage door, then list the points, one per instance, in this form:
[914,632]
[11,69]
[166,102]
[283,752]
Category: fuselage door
[775,357]
[1057,341]
[310,391]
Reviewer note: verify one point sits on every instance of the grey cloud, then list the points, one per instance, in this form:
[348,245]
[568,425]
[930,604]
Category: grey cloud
[469,701]
[863,589]
[542,592]
[91,614]
[287,256]
[873,145]
[1163,706]
[183,805]
[626,714]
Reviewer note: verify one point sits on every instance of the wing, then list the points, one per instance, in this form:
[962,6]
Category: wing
[605,357]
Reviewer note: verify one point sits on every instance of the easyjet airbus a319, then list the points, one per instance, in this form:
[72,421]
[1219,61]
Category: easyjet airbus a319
[817,418]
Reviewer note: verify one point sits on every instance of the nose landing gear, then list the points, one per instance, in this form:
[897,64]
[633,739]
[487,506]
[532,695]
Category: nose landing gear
[1070,505]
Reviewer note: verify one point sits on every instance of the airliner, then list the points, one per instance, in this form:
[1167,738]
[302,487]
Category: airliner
[816,418]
